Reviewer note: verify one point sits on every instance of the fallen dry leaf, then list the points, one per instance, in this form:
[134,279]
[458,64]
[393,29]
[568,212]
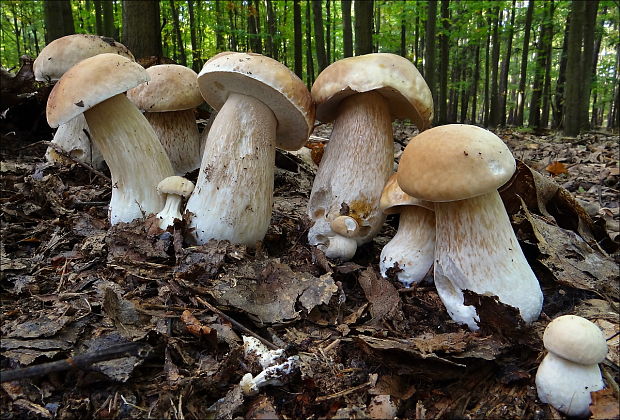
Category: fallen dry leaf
[556,168]
[605,404]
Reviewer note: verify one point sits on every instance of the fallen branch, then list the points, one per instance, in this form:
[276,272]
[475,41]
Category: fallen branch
[80,362]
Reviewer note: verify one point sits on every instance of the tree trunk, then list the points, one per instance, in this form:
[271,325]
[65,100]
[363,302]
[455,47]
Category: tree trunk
[377,25]
[58,19]
[309,60]
[558,112]
[544,39]
[524,59]
[363,27]
[141,31]
[317,11]
[297,39]
[16,30]
[219,36]
[328,30]
[429,62]
[108,20]
[494,106]
[272,48]
[98,17]
[574,80]
[596,121]
[544,118]
[347,30]
[177,31]
[503,80]
[587,61]
[253,38]
[192,34]
[444,62]
[487,68]
[232,39]
[403,30]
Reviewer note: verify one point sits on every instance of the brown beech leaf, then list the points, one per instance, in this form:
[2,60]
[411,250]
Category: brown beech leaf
[605,404]
[556,168]
[195,327]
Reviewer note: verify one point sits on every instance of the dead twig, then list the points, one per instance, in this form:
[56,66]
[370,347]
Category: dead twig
[80,362]
[64,154]
[344,392]
[237,324]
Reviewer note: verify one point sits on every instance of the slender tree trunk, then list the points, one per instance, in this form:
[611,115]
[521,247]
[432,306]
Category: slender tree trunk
[465,91]
[544,39]
[253,38]
[272,48]
[98,17]
[328,30]
[524,60]
[309,59]
[363,27]
[297,39]
[257,21]
[177,31]
[558,112]
[613,115]
[232,38]
[487,68]
[587,61]
[429,64]
[494,107]
[377,25]
[403,30]
[444,62]
[476,81]
[196,53]
[347,29]
[141,30]
[108,20]
[16,29]
[574,80]
[503,80]
[321,56]
[58,19]
[416,36]
[544,118]
[595,121]
[219,36]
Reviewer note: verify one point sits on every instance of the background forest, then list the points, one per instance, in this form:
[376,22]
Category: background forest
[523,63]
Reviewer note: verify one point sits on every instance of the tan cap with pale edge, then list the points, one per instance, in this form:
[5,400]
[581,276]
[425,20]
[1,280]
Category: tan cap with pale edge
[175,185]
[393,198]
[268,81]
[454,162]
[91,82]
[393,76]
[172,88]
[576,339]
[63,53]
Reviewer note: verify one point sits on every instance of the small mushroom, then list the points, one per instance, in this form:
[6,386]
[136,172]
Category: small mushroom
[52,62]
[570,371]
[176,188]
[261,105]
[413,246]
[137,160]
[168,100]
[459,167]
[362,95]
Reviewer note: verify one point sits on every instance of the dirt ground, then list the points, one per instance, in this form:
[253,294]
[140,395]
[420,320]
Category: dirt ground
[156,327]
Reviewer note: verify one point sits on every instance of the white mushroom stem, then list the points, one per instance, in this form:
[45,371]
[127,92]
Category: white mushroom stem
[72,138]
[413,246]
[270,376]
[178,133]
[355,166]
[252,347]
[234,191]
[476,249]
[339,247]
[171,211]
[567,385]
[136,158]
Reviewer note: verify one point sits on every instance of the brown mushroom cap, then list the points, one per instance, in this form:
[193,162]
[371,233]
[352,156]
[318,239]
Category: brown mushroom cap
[393,198]
[63,53]
[266,80]
[393,76]
[172,88]
[576,339]
[91,82]
[454,162]
[175,185]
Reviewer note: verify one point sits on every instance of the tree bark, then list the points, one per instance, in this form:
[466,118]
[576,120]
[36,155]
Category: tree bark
[219,36]
[196,53]
[317,12]
[141,28]
[503,80]
[487,68]
[58,19]
[429,53]
[558,112]
[524,60]
[574,81]
[544,39]
[328,30]
[403,30]
[494,103]
[309,59]
[347,30]
[544,117]
[297,39]
[595,121]
[587,61]
[444,62]
[272,48]
[177,31]
[108,20]
[98,17]
[254,40]
[363,27]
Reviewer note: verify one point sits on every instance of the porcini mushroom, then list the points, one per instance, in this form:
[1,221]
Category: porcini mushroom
[168,100]
[261,105]
[570,371]
[137,160]
[459,168]
[412,249]
[362,95]
[52,62]
[175,188]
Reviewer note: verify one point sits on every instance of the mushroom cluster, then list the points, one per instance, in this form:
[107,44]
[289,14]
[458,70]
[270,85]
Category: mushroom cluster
[54,60]
[570,371]
[459,168]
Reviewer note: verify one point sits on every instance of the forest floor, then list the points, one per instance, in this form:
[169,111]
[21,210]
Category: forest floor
[174,317]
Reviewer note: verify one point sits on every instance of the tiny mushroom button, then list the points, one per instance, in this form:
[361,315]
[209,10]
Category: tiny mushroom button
[96,87]
[175,188]
[261,105]
[362,95]
[459,168]
[168,101]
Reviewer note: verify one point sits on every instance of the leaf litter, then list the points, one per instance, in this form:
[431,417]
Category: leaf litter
[363,345]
